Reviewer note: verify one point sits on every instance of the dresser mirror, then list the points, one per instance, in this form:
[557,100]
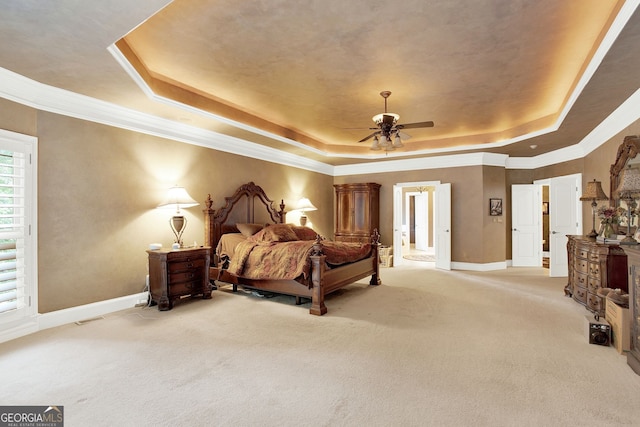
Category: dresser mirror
[627,156]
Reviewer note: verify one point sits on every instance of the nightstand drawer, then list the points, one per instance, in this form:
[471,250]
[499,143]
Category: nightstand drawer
[175,266]
[184,276]
[186,288]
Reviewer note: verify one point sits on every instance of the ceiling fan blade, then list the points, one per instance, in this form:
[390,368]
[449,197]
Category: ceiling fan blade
[369,137]
[415,125]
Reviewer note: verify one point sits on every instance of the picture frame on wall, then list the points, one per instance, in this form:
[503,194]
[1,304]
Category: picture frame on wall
[495,207]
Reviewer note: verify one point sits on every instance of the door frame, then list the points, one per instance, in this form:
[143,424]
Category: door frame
[526,225]
[577,205]
[406,214]
[399,213]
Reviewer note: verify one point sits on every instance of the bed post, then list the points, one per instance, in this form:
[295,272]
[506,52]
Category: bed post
[208,226]
[375,247]
[317,273]
[282,214]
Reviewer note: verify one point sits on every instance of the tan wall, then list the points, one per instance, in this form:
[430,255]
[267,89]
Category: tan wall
[469,211]
[98,188]
[99,185]
[494,228]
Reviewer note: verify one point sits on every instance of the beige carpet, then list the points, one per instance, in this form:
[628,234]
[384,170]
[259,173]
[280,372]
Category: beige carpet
[427,348]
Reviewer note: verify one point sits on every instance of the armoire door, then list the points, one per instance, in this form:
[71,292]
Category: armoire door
[361,212]
[344,211]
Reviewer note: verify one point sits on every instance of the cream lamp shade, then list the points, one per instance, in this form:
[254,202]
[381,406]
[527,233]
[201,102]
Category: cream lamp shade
[177,198]
[304,205]
[629,183]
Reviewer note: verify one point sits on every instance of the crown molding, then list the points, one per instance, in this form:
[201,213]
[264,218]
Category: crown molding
[23,90]
[439,162]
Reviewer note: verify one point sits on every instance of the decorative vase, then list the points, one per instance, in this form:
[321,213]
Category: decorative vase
[607,231]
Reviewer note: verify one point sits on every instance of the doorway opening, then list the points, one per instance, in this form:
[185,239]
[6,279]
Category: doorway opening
[422,222]
[543,215]
[545,226]
[417,224]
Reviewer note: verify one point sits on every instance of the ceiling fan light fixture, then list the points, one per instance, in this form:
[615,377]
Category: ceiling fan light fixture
[397,142]
[379,118]
[375,145]
[388,128]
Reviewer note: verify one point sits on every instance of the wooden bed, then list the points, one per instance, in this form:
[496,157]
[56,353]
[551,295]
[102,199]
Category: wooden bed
[249,204]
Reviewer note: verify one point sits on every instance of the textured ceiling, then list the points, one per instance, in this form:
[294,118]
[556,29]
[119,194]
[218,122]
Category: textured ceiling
[490,74]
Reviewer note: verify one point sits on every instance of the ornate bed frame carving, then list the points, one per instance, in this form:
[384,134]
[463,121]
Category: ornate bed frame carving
[321,281]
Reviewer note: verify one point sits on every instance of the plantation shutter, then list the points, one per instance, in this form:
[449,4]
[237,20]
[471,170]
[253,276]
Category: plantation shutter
[13,232]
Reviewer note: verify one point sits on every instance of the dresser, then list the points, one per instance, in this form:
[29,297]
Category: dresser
[357,211]
[633,355]
[176,273]
[592,266]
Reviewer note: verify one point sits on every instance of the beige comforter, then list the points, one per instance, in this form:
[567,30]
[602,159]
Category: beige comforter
[289,260]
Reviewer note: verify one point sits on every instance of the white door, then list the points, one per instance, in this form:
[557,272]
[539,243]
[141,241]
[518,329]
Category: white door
[526,225]
[442,222]
[397,224]
[563,220]
[421,203]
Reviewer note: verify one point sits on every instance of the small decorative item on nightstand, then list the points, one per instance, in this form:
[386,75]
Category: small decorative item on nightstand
[176,273]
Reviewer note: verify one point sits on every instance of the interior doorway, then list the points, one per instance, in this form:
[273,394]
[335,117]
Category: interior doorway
[417,227]
[545,226]
[561,214]
[422,218]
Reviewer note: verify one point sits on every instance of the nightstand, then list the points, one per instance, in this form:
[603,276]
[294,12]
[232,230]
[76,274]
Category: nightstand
[175,273]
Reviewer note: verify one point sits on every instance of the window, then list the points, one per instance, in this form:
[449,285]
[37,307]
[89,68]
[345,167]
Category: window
[17,249]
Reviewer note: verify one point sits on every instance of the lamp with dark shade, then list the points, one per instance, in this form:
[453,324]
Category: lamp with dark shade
[177,198]
[304,205]
[593,193]
[628,190]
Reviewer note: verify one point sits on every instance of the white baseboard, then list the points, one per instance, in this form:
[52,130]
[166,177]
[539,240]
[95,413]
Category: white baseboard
[73,314]
[26,327]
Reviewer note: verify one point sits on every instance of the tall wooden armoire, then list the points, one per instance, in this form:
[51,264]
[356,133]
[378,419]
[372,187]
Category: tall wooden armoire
[357,211]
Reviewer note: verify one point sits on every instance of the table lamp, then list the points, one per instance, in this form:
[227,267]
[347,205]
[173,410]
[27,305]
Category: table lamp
[179,198]
[304,205]
[593,193]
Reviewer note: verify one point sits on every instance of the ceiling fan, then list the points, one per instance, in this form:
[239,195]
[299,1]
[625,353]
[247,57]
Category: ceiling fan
[389,128]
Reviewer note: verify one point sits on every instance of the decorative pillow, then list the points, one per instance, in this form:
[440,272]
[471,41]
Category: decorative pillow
[275,233]
[249,230]
[304,233]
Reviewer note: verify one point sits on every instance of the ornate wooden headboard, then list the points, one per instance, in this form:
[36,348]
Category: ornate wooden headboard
[238,208]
